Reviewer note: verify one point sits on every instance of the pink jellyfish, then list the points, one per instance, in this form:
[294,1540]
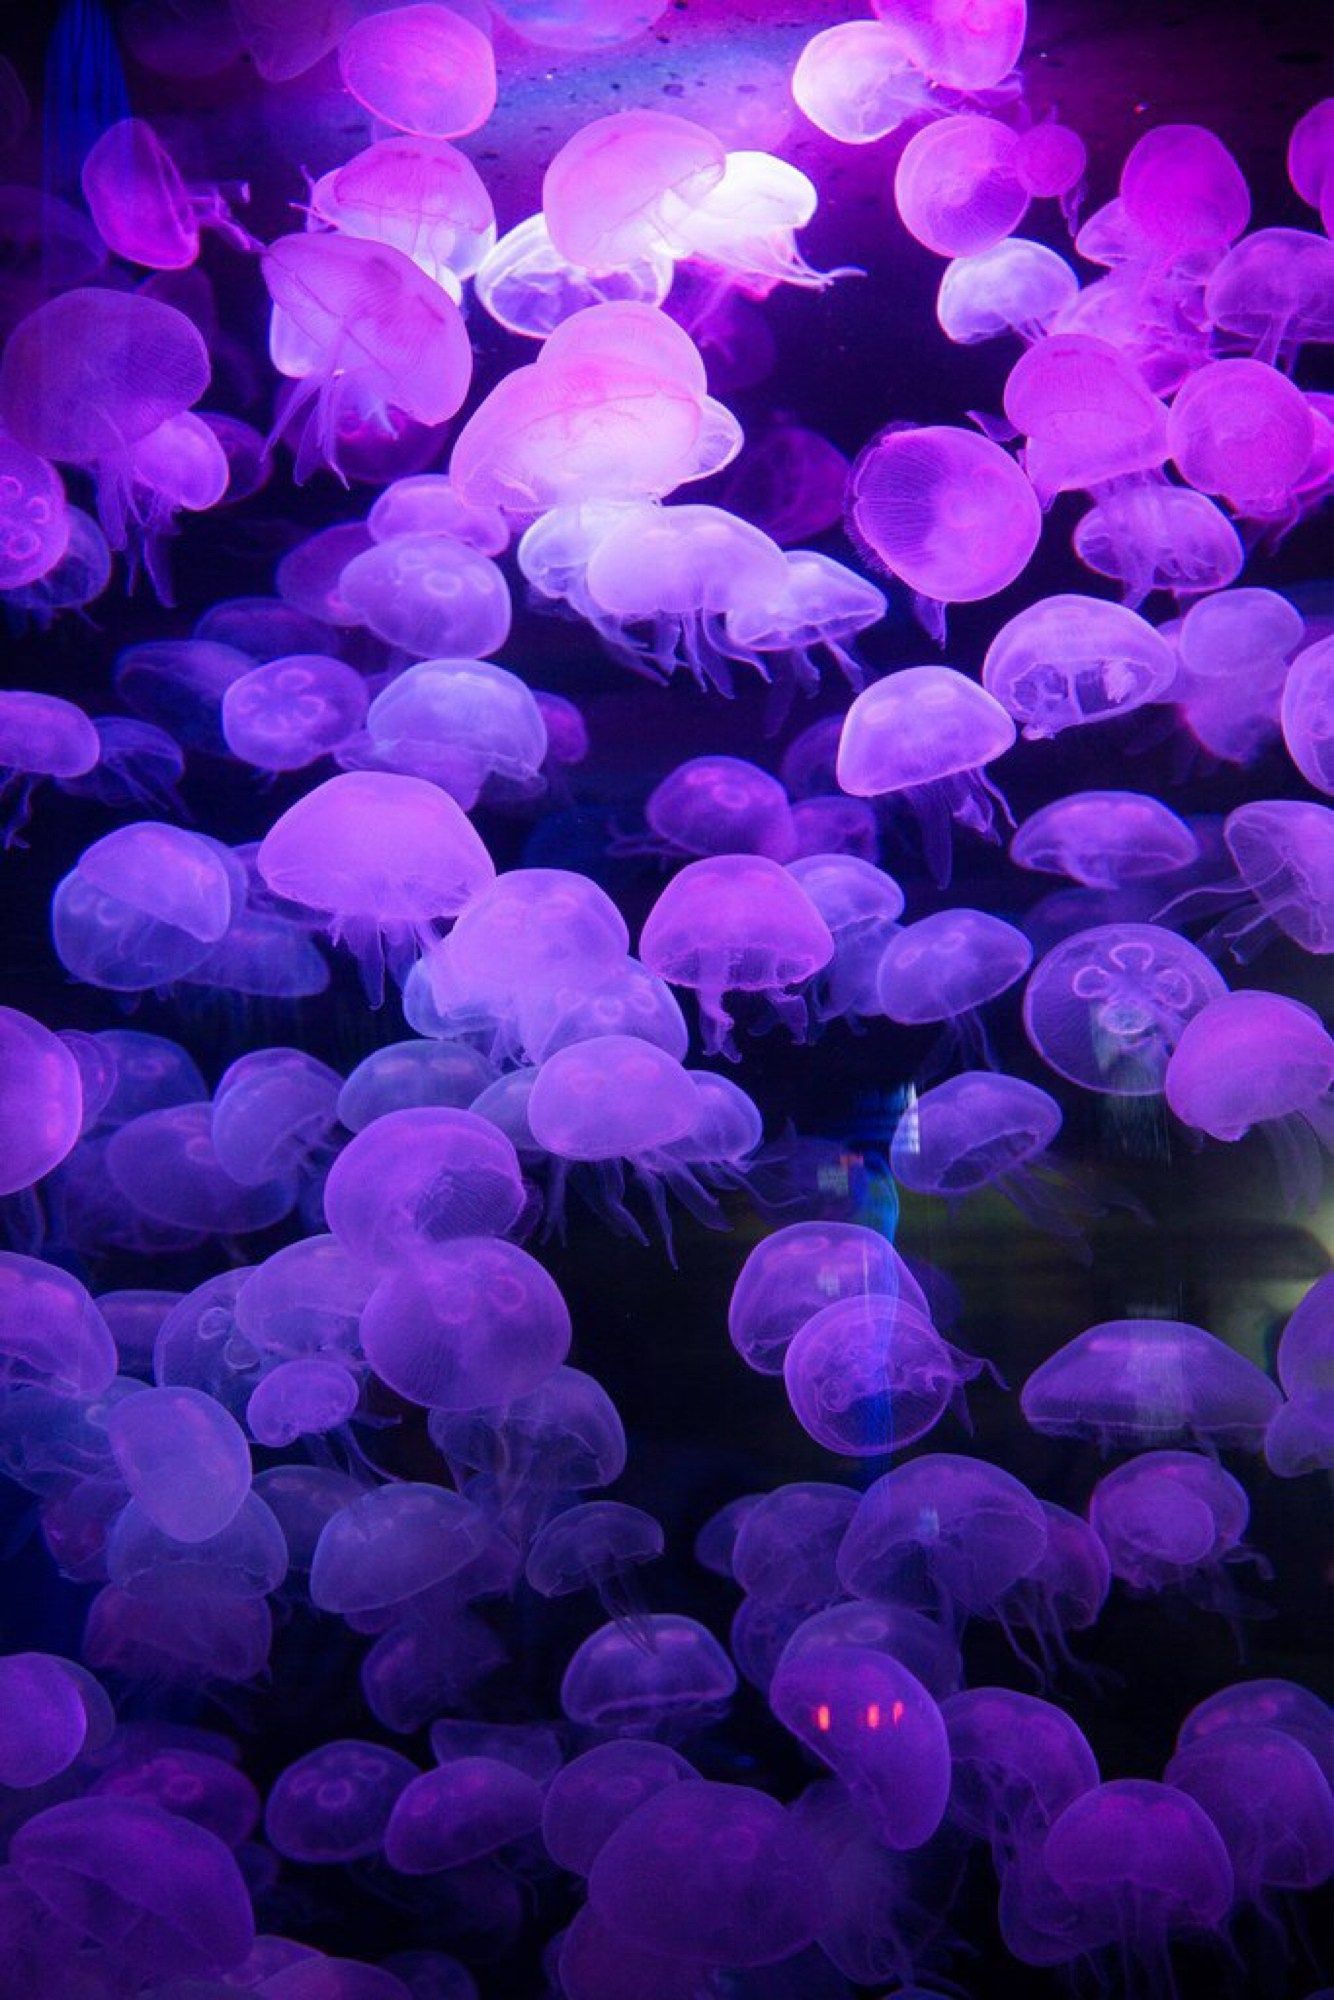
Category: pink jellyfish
[956,188]
[946,511]
[422,196]
[1087,412]
[41,736]
[615,191]
[860,80]
[1183,191]
[34,520]
[969,45]
[143,209]
[424,69]
[1242,430]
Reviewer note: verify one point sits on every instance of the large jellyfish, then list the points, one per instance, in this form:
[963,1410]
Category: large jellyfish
[1259,1059]
[1148,1382]
[866,1376]
[144,210]
[1104,839]
[467,1325]
[424,69]
[1087,413]
[956,188]
[1069,660]
[790,1276]
[1107,1007]
[947,966]
[615,191]
[951,1534]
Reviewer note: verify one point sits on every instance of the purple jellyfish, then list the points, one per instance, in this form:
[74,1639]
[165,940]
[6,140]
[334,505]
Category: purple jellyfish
[1135,1382]
[1107,1007]
[1261,1059]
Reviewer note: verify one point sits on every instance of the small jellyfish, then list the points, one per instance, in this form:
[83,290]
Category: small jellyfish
[1050,159]
[594,1793]
[1242,430]
[1308,714]
[1264,1704]
[436,597]
[1105,839]
[821,610]
[41,1101]
[468,1808]
[1257,1058]
[138,765]
[1069,660]
[947,966]
[981,1129]
[721,805]
[305,1397]
[790,1276]
[333,1804]
[382,857]
[950,1534]
[466,1325]
[1137,1382]
[414,1179]
[467,725]
[786,1543]
[1269,1799]
[598,1545]
[35,523]
[1159,537]
[944,510]
[1087,413]
[860,80]
[183,1459]
[867,1376]
[274,1112]
[1282,850]
[861,905]
[391,1544]
[955,187]
[529,288]
[709,1874]
[1016,286]
[413,1075]
[142,907]
[615,191]
[736,923]
[1106,1007]
[41,737]
[1017,1763]
[669,1679]
[743,228]
[290,712]
[144,211]
[1169,1521]
[924,736]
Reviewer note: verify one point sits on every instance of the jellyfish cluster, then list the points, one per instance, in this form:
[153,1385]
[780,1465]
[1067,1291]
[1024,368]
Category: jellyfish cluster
[667,797]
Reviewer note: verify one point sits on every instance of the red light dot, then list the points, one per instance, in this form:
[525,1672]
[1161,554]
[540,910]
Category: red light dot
[822,1716]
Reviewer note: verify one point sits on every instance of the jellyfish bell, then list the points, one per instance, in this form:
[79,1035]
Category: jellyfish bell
[956,188]
[1156,536]
[1106,1007]
[792,1274]
[968,48]
[1307,714]
[870,1375]
[615,191]
[1148,1382]
[859,81]
[1105,839]
[671,1686]
[1015,286]
[947,967]
[424,69]
[1169,1521]
[1240,429]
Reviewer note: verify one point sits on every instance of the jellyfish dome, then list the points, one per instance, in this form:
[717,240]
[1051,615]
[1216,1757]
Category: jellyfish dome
[436,597]
[41,1101]
[944,510]
[977,1129]
[678,1681]
[1137,1382]
[1017,1763]
[616,191]
[424,69]
[1183,191]
[968,48]
[721,805]
[859,81]
[1087,412]
[1071,660]
[589,1797]
[947,965]
[422,196]
[1308,714]
[1271,292]
[800,1269]
[143,907]
[467,725]
[956,187]
[1242,430]
[292,711]
[1159,537]
[420,1177]
[1257,1058]
[948,1533]
[1140,1864]
[866,1376]
[1015,286]
[1105,839]
[1284,853]
[1107,1007]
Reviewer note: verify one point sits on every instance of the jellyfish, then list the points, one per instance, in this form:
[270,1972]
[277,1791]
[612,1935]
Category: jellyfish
[1270,1801]
[437,598]
[429,504]
[946,967]
[53,1711]
[1242,430]
[150,1072]
[466,1809]
[720,805]
[470,1323]
[424,69]
[1159,537]
[790,1276]
[1065,1591]
[860,80]
[924,736]
[982,1129]
[1106,1007]
[138,765]
[41,737]
[970,49]
[88,376]
[945,511]
[35,523]
[533,928]
[412,1075]
[1257,1058]
[743,227]
[1169,1520]
[467,725]
[1183,191]
[1015,286]
[419,194]
[618,189]
[785,1544]
[418,1178]
[622,1000]
[198,1785]
[1070,660]
[382,857]
[1087,413]
[292,711]
[529,288]
[956,189]
[592,1795]
[183,1458]
[162,1898]
[861,904]
[182,1642]
[949,1534]
[274,1112]
[866,1376]
[597,1545]
[670,1679]
[166,1166]
[143,209]
[333,1804]
[1263,1704]
[709,1874]
[1308,715]
[356,326]
[245,1560]
[790,482]
[821,610]
[41,1101]
[1281,851]
[1105,839]
[178,685]
[1148,1382]
[390,1544]
[1271,292]
[1017,1761]
[142,907]
[736,923]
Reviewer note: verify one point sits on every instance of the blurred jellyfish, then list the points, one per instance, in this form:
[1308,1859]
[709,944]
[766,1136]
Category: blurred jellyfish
[789,481]
[596,1791]
[720,805]
[305,1397]
[1106,1007]
[1105,839]
[1264,1704]
[1271,292]
[1281,850]
[274,1112]
[923,736]
[41,1101]
[466,1809]
[945,511]
[183,1459]
[946,967]
[1159,537]
[951,1534]
[1014,287]
[1268,1798]
[1017,1763]
[966,48]
[1064,1592]
[429,504]
[1242,430]
[333,1804]
[138,765]
[467,725]
[1086,411]
[41,737]
[420,195]
[165,1164]
[866,1376]
[1169,1521]
[390,1544]
[1257,1058]
[407,1076]
[35,523]
[1136,1382]
[956,188]
[670,1679]
[143,209]
[861,905]
[1183,191]
[142,907]
[1308,714]
[424,69]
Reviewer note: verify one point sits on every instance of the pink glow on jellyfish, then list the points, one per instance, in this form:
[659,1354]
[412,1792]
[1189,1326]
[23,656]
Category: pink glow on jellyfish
[971,45]
[143,209]
[41,736]
[422,196]
[425,69]
[34,520]
[1261,1059]
[616,191]
[956,187]
[859,81]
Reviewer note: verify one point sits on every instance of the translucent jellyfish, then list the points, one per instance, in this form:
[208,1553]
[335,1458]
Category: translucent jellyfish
[138,765]
[789,481]
[424,69]
[1169,1520]
[142,907]
[785,1544]
[736,923]
[333,1804]
[709,1874]
[1264,1704]
[866,1376]
[1137,1382]
[467,725]
[599,1789]
[861,905]
[41,737]
[1257,1058]
[89,375]
[860,81]
[1086,411]
[1064,1592]
[1017,1763]
[383,857]
[574,24]
[199,1785]
[944,510]
[1242,430]
[1305,1355]
[183,1458]
[473,1323]
[981,1129]
[358,327]
[1105,839]
[48,1709]
[41,1101]
[415,1179]
[744,227]
[1050,160]
[1016,286]
[420,195]
[948,1533]
[302,1398]
[1300,1438]
[150,1073]
[1159,537]
[433,596]
[926,1649]
[955,186]
[675,575]
[821,610]
[790,1276]
[1282,851]
[947,966]
[530,288]
[1106,1007]
[162,1898]
[968,48]
[391,1544]
[274,1112]
[1269,1799]
[291,712]
[197,1637]
[179,684]
[670,1678]
[466,1809]
[616,191]
[1308,714]
[143,209]
[923,736]
[622,1000]
[34,520]
[1183,191]
[166,1166]
[1070,660]
[1271,292]
[429,504]
[408,1076]
[721,805]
